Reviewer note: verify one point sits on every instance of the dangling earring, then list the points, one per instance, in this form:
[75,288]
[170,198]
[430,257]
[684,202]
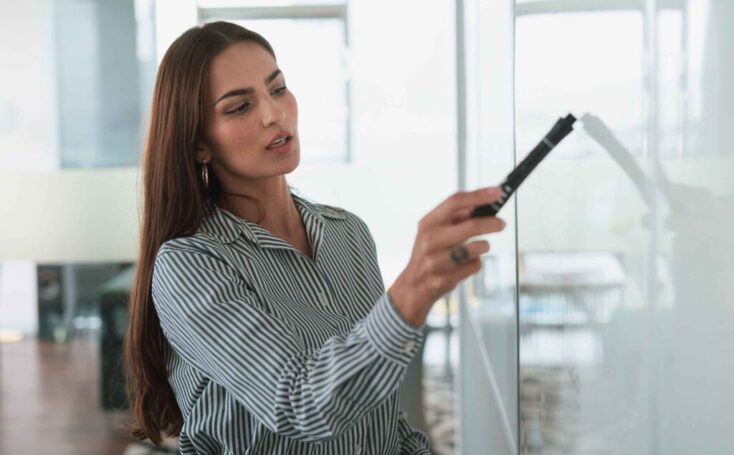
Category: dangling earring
[205,174]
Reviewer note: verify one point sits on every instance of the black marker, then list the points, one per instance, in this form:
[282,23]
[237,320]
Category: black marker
[560,130]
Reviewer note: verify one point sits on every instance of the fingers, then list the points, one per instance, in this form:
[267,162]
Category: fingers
[462,215]
[450,236]
[440,284]
[431,271]
[462,201]
[466,270]
[441,261]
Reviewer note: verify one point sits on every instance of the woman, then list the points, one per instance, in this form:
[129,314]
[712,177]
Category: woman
[259,322]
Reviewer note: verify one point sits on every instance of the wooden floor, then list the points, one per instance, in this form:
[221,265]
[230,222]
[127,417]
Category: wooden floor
[49,401]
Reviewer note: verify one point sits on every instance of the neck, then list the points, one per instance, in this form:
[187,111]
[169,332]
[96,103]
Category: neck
[271,207]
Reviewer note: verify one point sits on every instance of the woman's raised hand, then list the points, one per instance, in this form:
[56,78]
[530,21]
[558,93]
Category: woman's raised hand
[431,271]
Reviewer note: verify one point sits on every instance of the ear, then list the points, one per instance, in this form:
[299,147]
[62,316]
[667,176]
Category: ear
[202,153]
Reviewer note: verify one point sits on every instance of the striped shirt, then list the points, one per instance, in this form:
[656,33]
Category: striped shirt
[273,352]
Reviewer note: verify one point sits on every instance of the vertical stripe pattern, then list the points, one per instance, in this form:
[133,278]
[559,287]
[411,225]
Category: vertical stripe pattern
[274,352]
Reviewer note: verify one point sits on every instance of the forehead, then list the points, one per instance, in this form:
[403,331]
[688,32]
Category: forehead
[240,65]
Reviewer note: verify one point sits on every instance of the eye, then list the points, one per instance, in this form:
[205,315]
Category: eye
[239,109]
[279,90]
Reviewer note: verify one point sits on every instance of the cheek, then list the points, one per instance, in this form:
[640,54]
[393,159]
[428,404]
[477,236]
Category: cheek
[233,132]
[293,107]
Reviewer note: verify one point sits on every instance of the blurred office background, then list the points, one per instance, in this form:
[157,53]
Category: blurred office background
[603,319]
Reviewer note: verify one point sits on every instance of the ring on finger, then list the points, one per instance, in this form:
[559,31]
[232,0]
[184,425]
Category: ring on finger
[459,254]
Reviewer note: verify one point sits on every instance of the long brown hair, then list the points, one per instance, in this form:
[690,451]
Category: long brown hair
[174,203]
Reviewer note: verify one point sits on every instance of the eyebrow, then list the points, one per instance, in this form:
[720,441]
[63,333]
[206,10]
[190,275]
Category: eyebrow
[248,90]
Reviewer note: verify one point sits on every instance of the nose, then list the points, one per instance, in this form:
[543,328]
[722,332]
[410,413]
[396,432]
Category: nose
[272,112]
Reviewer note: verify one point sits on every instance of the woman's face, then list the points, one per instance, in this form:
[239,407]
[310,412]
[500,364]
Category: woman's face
[251,132]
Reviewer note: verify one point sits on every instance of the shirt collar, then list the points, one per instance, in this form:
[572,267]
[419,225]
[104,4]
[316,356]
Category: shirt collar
[227,227]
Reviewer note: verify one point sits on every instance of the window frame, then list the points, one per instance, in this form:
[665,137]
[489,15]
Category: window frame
[587,6]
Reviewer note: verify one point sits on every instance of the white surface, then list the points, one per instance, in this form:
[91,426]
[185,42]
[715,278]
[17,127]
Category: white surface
[18,296]
[27,135]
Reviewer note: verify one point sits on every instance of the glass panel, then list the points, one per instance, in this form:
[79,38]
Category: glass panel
[581,248]
[558,72]
[105,65]
[694,330]
[624,280]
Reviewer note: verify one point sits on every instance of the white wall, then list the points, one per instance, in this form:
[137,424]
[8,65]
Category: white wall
[404,122]
[27,112]
[18,296]
[27,140]
[69,216]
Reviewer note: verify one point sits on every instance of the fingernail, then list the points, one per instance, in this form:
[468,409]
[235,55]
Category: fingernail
[493,191]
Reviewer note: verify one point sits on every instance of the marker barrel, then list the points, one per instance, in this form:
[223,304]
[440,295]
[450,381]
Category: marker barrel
[559,131]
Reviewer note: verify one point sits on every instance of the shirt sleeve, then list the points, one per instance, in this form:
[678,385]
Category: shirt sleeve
[412,441]
[212,319]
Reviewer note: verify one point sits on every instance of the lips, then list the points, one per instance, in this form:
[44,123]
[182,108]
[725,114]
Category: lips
[279,140]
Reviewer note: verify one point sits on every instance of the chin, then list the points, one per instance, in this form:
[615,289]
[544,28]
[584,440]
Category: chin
[293,161]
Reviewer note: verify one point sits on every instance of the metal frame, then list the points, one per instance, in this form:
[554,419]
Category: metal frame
[476,379]
[579,6]
[275,12]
